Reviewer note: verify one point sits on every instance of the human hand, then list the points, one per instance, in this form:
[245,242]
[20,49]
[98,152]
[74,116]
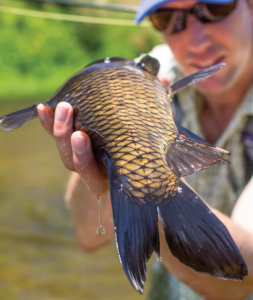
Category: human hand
[164,78]
[74,147]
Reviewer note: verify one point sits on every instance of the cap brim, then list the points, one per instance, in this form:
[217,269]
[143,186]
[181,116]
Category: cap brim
[147,6]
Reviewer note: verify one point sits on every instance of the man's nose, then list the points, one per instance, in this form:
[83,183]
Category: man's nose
[198,35]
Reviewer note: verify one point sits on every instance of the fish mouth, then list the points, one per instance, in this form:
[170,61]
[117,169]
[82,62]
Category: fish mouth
[204,63]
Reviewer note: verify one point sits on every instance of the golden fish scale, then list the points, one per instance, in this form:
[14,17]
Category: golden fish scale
[127,107]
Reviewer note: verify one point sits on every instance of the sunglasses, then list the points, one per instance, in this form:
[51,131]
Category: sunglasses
[173,20]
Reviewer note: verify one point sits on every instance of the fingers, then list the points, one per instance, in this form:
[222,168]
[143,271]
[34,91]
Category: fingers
[86,165]
[164,78]
[46,116]
[74,148]
[62,131]
[60,126]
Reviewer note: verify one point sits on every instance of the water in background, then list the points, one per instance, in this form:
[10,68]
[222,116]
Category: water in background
[39,258]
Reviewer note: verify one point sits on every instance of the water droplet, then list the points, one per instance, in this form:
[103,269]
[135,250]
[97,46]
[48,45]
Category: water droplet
[101,230]
[159,258]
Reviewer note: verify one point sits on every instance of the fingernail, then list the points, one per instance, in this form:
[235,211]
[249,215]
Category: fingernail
[41,112]
[78,143]
[61,113]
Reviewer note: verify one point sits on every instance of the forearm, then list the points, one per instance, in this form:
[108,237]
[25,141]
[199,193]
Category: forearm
[205,285]
[84,208]
[242,212]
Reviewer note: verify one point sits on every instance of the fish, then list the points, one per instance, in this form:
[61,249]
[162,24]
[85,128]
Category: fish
[127,113]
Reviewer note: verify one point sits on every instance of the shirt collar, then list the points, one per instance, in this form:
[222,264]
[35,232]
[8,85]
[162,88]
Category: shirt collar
[192,102]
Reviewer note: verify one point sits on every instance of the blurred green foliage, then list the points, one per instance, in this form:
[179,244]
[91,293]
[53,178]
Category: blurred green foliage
[38,55]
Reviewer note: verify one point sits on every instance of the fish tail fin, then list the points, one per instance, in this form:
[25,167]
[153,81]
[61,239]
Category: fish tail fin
[18,118]
[195,77]
[136,230]
[137,236]
[198,238]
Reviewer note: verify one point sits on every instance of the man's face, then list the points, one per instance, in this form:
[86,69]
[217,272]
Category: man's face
[203,45]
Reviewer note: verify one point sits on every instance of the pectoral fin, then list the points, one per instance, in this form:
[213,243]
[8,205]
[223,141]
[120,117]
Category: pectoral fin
[185,156]
[195,77]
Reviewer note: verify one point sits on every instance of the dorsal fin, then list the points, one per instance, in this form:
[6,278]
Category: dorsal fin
[149,64]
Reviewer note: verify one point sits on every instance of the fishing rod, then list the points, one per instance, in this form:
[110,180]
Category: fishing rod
[69,17]
[114,7]
[76,18]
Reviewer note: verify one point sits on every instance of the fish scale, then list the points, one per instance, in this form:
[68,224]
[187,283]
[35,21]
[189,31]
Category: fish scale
[127,113]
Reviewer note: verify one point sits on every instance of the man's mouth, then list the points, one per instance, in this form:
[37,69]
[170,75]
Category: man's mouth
[202,63]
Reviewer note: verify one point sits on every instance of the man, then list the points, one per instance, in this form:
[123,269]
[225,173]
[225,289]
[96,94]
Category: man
[218,109]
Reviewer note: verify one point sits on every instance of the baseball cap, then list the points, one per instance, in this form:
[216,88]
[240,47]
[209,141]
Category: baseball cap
[147,6]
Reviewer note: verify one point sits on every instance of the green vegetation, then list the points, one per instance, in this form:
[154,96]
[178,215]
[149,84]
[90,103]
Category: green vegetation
[38,55]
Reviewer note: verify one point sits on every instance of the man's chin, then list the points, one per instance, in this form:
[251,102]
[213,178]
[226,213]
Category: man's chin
[214,85]
[211,86]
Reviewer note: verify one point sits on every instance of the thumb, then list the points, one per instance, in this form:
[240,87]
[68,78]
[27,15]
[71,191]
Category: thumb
[164,78]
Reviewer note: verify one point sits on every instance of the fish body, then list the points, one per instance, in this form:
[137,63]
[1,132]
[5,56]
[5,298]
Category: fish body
[127,113]
[136,136]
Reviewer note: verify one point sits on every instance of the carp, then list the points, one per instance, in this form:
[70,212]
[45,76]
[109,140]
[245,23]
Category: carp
[127,112]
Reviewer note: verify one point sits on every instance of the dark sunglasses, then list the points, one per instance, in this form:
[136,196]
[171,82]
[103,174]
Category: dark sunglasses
[172,20]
